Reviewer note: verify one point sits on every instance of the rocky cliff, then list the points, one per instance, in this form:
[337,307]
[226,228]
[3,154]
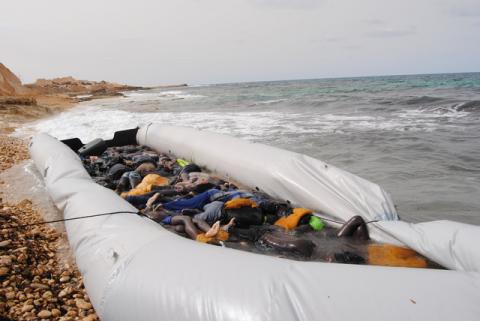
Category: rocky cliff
[10,85]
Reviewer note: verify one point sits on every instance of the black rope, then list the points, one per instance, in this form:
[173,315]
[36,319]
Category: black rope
[73,218]
[341,223]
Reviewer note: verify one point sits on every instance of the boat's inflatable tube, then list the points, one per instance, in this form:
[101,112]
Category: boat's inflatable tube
[301,179]
[314,184]
[135,270]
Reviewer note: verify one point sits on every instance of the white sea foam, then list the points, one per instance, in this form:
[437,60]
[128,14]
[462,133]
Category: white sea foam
[159,95]
[432,113]
[101,119]
[269,102]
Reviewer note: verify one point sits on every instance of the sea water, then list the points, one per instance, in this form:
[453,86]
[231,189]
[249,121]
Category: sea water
[416,136]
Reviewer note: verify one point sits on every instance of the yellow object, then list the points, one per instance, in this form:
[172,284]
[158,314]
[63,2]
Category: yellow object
[391,255]
[221,236]
[239,203]
[182,162]
[146,185]
[291,221]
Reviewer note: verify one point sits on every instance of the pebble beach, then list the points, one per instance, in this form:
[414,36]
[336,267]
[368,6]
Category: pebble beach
[39,278]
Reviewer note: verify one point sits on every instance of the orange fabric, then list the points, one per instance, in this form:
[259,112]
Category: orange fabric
[221,236]
[146,185]
[291,221]
[239,202]
[202,238]
[391,255]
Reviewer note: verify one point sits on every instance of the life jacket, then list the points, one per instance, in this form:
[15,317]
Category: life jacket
[245,211]
[291,221]
[391,255]
[239,202]
[221,236]
[146,185]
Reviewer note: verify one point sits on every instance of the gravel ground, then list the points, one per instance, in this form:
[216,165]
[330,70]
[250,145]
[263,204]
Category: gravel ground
[38,276]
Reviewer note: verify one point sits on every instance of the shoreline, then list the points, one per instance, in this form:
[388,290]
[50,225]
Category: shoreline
[38,273]
[37,269]
[39,276]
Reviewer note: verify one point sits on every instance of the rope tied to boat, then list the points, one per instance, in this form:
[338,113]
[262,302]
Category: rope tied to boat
[73,219]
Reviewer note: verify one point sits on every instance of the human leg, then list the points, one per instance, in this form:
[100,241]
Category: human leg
[197,201]
[212,212]
[190,229]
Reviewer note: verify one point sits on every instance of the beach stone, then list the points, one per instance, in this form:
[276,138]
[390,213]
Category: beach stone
[47,295]
[56,312]
[5,243]
[38,286]
[64,292]
[64,279]
[82,304]
[4,270]
[44,314]
[21,258]
[72,313]
[27,308]
[91,317]
[35,232]
[5,260]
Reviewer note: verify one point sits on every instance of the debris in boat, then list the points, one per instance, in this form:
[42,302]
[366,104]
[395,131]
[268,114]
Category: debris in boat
[190,201]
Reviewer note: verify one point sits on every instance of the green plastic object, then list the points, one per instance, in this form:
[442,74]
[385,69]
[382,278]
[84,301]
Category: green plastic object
[182,162]
[316,223]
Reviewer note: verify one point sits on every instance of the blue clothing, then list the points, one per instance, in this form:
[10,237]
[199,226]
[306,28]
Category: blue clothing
[212,212]
[139,201]
[230,195]
[167,220]
[197,202]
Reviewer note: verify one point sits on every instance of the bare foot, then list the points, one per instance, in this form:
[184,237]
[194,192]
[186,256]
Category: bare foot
[229,225]
[214,230]
[152,200]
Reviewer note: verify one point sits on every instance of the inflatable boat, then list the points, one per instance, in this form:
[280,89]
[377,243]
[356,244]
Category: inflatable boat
[134,269]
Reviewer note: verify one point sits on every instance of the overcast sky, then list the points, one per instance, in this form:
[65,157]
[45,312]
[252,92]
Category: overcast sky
[148,42]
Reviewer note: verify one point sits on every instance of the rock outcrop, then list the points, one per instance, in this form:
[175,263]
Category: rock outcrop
[10,85]
[70,85]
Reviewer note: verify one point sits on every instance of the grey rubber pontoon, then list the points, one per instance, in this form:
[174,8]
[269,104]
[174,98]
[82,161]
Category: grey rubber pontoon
[134,269]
